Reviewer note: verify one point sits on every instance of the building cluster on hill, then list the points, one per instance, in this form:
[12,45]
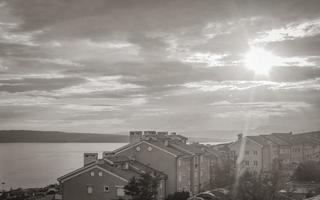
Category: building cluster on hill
[179,166]
[183,166]
[285,151]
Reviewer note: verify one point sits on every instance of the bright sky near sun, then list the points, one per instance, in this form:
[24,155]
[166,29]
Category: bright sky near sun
[200,67]
[260,61]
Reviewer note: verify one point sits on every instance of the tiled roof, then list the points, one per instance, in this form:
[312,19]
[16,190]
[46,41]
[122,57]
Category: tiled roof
[147,168]
[127,174]
[118,158]
[259,139]
[276,140]
[138,166]
[190,149]
[169,148]
[296,139]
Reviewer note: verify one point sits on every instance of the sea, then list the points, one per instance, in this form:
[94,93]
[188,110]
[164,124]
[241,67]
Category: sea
[29,165]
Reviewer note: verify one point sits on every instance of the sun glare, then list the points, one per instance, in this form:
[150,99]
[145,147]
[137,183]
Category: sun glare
[260,61]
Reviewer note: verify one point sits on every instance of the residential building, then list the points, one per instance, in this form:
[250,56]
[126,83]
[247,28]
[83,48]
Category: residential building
[187,166]
[105,179]
[251,153]
[282,150]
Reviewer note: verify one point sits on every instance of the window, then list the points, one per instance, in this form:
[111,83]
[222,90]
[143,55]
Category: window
[179,162]
[91,173]
[246,162]
[106,188]
[255,163]
[120,191]
[195,162]
[255,152]
[138,148]
[100,173]
[89,189]
[246,152]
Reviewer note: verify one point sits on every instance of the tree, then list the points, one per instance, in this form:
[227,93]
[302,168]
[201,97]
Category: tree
[223,176]
[144,187]
[307,171]
[258,187]
[178,196]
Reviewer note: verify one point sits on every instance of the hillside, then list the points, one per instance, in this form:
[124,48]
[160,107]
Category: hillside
[10,136]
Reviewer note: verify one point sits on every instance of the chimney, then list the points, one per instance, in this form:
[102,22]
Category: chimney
[164,133]
[240,136]
[135,136]
[107,154]
[150,133]
[89,158]
[173,133]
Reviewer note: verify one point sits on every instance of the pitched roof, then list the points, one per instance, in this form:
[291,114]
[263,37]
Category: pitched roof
[259,139]
[158,144]
[296,139]
[135,165]
[189,149]
[276,140]
[169,148]
[124,175]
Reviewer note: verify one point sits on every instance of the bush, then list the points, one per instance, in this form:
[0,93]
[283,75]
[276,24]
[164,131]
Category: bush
[307,171]
[178,196]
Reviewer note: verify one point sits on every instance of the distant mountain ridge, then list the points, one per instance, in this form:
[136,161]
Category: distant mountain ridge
[11,136]
[30,136]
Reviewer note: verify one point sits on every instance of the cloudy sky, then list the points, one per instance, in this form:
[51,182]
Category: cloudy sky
[109,66]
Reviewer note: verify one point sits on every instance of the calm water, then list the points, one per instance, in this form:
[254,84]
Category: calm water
[39,164]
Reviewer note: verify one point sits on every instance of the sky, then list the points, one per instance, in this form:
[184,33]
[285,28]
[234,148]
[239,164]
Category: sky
[111,66]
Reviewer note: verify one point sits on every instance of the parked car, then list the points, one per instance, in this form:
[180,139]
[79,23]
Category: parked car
[195,198]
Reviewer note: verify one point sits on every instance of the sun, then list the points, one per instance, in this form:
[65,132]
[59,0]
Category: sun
[260,61]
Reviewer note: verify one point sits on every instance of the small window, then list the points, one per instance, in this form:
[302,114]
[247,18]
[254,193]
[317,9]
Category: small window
[120,191]
[138,148]
[91,173]
[100,173]
[106,188]
[89,189]
[255,152]
[246,162]
[149,148]
[196,162]
[255,163]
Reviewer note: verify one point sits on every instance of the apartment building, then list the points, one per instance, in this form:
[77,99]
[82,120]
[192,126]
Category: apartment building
[181,166]
[105,179]
[251,153]
[187,166]
[283,150]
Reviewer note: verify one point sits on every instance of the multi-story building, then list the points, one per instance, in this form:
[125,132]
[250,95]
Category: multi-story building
[283,150]
[105,179]
[251,153]
[279,150]
[187,166]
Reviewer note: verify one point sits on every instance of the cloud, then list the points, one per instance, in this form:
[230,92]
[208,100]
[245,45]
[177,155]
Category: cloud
[291,31]
[42,84]
[99,84]
[126,64]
